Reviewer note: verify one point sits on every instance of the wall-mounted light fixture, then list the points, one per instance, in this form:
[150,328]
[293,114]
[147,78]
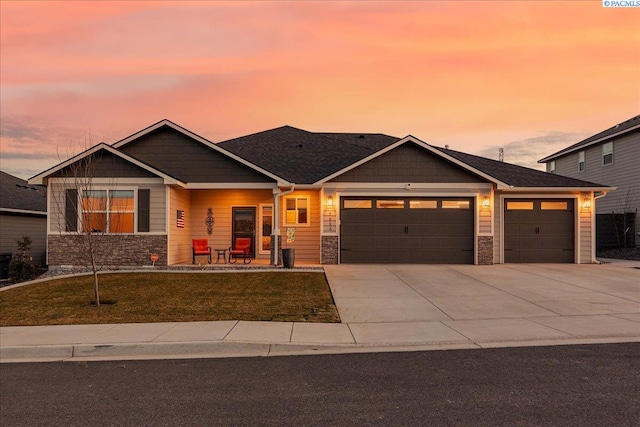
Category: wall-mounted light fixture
[586,203]
[330,202]
[486,203]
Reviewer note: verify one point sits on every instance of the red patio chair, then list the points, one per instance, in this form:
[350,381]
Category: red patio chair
[201,247]
[240,249]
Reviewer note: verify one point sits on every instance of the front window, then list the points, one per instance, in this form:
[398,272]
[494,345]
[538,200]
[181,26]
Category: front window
[297,211]
[581,162]
[107,211]
[607,153]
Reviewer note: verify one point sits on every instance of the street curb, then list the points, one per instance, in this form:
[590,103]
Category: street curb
[204,350]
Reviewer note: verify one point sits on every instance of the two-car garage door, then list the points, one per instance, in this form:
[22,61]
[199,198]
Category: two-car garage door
[407,230]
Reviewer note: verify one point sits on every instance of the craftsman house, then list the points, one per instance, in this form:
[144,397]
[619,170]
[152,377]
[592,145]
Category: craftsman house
[334,197]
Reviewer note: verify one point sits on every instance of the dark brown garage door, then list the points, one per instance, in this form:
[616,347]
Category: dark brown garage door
[539,230]
[407,230]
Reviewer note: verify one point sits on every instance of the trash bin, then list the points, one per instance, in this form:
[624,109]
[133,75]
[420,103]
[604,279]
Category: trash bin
[288,258]
[5,260]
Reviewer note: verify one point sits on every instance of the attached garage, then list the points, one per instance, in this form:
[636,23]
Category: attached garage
[407,230]
[539,230]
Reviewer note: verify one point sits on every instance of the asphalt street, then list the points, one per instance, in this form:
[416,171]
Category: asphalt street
[580,385]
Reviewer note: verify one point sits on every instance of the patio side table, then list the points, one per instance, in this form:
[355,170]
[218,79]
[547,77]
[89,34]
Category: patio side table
[221,253]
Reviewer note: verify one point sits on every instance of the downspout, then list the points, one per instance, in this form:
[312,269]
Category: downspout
[276,217]
[593,226]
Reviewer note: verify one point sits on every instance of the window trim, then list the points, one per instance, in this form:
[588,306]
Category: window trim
[582,163]
[606,153]
[108,190]
[551,166]
[261,236]
[297,224]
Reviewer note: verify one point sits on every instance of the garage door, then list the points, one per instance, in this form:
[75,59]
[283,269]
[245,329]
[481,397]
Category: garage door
[407,230]
[539,230]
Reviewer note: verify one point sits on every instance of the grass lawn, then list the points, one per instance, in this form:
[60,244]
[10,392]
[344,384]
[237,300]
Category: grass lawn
[171,297]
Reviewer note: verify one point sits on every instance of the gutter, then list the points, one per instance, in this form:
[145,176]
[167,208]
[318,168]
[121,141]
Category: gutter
[276,217]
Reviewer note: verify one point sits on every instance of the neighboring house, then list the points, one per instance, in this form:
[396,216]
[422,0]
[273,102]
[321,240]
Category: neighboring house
[23,211]
[611,157]
[347,198]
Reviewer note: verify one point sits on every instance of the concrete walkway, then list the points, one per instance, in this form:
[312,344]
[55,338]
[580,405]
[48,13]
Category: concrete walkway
[384,308]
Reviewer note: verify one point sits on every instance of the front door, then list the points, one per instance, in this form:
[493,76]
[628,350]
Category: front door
[244,225]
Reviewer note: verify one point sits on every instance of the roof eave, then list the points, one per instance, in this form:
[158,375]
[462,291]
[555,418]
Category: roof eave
[581,147]
[559,189]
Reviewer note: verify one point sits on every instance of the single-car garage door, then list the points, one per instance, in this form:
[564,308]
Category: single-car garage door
[539,230]
[407,230]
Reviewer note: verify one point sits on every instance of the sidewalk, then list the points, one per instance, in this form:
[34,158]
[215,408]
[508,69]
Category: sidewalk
[384,308]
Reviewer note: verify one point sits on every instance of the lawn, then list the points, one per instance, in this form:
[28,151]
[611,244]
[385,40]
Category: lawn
[171,297]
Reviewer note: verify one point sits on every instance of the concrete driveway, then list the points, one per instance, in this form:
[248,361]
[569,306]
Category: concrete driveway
[383,303]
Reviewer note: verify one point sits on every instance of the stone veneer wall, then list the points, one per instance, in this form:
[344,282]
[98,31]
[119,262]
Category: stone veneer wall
[485,250]
[329,253]
[122,250]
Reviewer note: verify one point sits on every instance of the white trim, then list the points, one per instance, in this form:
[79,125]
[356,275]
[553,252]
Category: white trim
[259,226]
[23,211]
[403,186]
[296,224]
[559,189]
[374,193]
[200,139]
[410,138]
[39,179]
[230,186]
[580,147]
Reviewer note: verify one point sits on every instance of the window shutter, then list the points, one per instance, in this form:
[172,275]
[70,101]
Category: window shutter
[144,204]
[71,210]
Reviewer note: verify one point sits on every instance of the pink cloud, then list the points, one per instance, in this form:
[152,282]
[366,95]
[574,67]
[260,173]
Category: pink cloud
[470,74]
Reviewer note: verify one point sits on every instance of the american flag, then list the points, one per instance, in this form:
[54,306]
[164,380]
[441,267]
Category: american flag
[180,219]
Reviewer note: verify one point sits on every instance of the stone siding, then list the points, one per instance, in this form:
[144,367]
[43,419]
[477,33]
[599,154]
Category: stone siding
[113,250]
[329,250]
[485,250]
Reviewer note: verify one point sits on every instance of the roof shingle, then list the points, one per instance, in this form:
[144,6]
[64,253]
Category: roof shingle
[17,194]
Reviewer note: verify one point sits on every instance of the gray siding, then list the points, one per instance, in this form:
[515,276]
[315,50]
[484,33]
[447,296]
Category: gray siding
[13,227]
[103,164]
[408,163]
[189,160]
[623,173]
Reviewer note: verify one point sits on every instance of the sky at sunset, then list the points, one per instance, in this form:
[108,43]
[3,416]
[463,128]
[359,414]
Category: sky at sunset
[529,76]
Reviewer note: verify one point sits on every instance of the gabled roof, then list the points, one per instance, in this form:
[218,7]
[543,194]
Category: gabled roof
[304,157]
[518,176]
[216,147]
[18,196]
[39,179]
[617,130]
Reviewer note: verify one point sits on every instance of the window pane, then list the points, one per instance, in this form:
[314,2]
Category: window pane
[121,223]
[291,217]
[94,200]
[455,204]
[520,206]
[121,201]
[302,203]
[357,204]
[302,216]
[390,204]
[607,148]
[553,206]
[94,222]
[291,204]
[423,204]
[607,159]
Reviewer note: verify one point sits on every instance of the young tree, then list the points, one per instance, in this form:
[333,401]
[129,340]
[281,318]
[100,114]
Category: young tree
[90,211]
